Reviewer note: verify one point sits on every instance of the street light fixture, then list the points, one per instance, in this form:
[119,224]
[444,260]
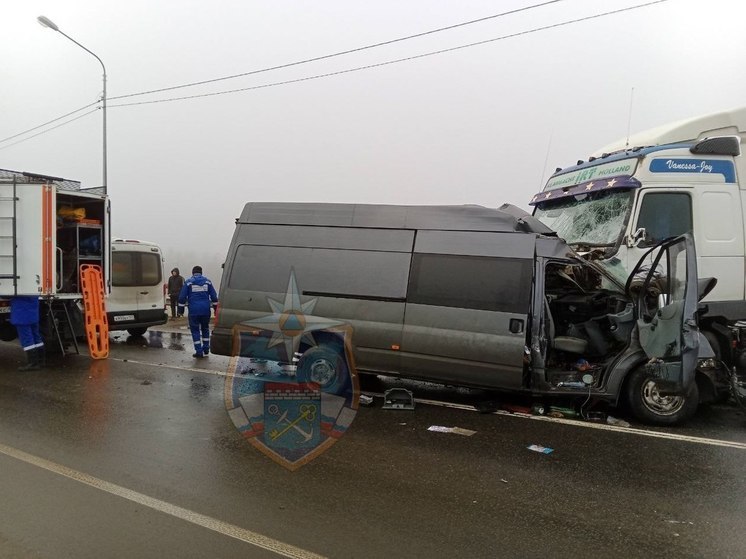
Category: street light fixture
[46,22]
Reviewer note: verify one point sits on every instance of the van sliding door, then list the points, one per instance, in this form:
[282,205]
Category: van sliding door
[467,307]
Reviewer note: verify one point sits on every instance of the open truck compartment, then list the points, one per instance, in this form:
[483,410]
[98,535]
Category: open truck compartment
[49,227]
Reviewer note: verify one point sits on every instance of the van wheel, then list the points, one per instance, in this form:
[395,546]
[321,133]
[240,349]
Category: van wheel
[322,365]
[136,331]
[650,406]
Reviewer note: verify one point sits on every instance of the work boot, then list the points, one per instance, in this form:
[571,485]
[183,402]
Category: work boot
[198,355]
[41,356]
[32,361]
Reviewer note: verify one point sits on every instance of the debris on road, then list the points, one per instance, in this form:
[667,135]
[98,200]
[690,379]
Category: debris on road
[560,412]
[398,399]
[516,409]
[594,416]
[365,400]
[618,422]
[456,430]
[539,448]
[487,406]
[146,382]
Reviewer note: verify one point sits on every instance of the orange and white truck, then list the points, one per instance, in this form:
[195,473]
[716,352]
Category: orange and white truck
[49,228]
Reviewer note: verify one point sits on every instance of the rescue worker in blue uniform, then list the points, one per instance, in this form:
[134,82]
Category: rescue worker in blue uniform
[24,315]
[200,295]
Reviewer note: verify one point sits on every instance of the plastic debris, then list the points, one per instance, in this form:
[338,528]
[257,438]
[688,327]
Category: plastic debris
[398,399]
[539,448]
[595,416]
[582,365]
[456,430]
[618,422]
[557,411]
[487,406]
[516,409]
[365,400]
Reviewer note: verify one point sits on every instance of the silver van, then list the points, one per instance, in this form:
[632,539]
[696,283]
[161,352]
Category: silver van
[480,297]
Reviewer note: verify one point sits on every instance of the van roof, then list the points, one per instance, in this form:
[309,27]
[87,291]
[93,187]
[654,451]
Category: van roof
[134,242]
[456,218]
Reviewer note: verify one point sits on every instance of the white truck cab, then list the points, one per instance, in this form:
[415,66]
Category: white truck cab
[685,177]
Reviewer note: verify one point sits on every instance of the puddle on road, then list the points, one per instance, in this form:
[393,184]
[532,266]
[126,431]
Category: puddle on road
[152,338]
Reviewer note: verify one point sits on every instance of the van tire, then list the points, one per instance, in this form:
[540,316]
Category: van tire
[324,366]
[136,332]
[650,407]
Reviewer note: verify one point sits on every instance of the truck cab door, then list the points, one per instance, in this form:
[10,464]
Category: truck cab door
[663,287]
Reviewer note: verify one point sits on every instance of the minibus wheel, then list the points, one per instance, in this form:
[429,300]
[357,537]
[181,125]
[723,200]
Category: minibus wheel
[322,365]
[649,405]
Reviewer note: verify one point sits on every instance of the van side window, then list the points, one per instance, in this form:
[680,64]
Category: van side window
[321,271]
[665,214]
[135,268]
[471,282]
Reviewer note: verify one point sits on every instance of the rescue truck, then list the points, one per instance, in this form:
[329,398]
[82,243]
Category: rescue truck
[49,228]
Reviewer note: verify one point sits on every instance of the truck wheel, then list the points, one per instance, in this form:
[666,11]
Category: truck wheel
[650,406]
[136,331]
[324,366]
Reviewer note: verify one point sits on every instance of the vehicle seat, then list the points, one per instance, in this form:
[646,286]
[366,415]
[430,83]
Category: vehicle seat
[569,344]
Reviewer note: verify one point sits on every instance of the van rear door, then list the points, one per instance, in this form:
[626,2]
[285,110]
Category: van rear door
[467,307]
[667,305]
[136,300]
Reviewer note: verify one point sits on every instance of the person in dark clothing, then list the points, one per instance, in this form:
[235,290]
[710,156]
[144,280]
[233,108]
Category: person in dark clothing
[201,296]
[175,283]
[24,315]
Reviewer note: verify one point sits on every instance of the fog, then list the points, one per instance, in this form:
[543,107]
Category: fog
[480,125]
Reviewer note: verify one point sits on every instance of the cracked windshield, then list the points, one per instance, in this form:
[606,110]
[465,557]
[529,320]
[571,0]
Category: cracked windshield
[588,219]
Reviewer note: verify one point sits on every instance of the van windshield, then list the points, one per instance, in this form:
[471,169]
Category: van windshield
[595,219]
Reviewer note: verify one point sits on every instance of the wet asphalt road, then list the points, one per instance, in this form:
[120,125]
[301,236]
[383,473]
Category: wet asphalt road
[82,441]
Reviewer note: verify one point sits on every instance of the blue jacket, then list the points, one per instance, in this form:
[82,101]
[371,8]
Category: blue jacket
[200,294]
[24,309]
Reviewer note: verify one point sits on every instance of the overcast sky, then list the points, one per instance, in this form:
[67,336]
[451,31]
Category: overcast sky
[480,125]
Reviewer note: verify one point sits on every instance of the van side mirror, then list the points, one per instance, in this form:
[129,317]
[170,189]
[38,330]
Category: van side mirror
[639,236]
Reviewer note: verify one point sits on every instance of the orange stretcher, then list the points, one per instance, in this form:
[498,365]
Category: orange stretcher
[96,323]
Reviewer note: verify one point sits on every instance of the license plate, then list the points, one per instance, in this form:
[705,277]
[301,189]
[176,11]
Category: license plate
[124,317]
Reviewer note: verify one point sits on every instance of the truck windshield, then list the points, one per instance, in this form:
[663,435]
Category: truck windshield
[595,219]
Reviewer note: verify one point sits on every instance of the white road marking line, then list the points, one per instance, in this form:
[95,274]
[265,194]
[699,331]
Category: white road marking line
[571,422]
[589,425]
[230,530]
[177,367]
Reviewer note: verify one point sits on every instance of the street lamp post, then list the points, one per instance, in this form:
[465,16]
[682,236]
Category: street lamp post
[46,22]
